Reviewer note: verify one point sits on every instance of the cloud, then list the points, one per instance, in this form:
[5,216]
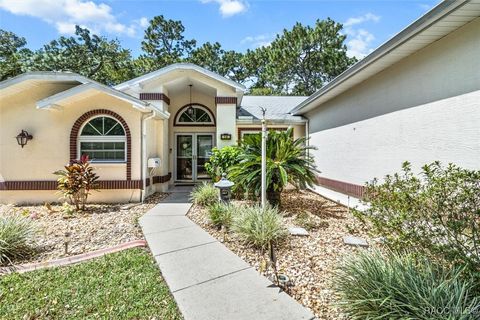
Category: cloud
[229,8]
[359,40]
[261,40]
[361,19]
[424,6]
[65,14]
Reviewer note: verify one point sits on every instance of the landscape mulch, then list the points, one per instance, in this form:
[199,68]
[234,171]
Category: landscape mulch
[99,226]
[309,261]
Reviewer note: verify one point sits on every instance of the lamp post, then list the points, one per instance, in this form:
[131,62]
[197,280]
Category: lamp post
[264,160]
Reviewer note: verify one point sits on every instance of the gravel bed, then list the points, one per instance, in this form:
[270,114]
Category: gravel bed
[100,226]
[308,261]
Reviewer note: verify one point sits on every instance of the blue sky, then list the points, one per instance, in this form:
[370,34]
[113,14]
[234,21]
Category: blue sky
[236,24]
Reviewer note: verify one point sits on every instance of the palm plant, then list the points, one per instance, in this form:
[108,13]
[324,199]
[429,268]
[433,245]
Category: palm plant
[288,161]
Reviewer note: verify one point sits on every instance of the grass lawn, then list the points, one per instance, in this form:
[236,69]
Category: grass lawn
[122,285]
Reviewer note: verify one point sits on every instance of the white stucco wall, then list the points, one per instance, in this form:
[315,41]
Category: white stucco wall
[424,108]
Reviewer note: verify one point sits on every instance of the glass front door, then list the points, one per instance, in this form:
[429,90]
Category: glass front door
[192,151]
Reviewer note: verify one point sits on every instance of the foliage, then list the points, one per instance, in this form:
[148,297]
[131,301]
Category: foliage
[221,214]
[259,227]
[165,43]
[399,286]
[90,55]
[12,54]
[76,181]
[204,195]
[299,61]
[221,160]
[436,214]
[288,161]
[123,285]
[16,237]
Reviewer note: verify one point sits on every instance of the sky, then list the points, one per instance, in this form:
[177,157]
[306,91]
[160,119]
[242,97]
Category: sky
[236,24]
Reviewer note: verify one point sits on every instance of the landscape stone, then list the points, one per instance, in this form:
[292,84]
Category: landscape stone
[297,231]
[355,241]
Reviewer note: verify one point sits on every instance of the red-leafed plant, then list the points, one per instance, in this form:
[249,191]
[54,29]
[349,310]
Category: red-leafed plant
[77,181]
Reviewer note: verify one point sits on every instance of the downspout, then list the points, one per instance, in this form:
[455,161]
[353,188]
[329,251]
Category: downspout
[143,125]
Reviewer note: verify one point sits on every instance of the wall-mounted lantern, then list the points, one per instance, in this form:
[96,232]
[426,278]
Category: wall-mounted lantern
[226,136]
[23,138]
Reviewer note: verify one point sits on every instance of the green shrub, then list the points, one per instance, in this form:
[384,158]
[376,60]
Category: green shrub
[436,214]
[259,227]
[288,161]
[16,237]
[221,214]
[76,181]
[399,286]
[204,195]
[221,160]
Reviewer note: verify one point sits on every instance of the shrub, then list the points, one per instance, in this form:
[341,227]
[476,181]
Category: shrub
[76,181]
[288,161]
[204,195]
[399,286]
[16,237]
[259,227]
[221,160]
[436,214]
[221,214]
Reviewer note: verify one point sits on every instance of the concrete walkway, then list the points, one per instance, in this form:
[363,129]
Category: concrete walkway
[207,280]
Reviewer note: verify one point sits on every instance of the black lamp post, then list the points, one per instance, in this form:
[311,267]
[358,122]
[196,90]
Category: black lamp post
[23,138]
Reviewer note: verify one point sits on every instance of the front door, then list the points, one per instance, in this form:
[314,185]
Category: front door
[192,150]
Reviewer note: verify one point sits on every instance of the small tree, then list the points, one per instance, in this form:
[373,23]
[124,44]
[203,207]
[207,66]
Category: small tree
[76,181]
[221,160]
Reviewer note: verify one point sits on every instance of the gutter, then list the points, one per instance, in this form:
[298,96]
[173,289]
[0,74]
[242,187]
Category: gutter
[143,143]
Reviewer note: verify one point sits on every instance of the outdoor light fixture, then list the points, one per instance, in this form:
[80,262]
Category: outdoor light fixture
[190,109]
[23,138]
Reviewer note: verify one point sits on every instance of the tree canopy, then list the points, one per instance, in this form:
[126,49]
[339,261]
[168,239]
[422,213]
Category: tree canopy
[297,62]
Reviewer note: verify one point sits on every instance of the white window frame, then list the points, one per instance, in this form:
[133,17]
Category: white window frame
[195,106]
[102,139]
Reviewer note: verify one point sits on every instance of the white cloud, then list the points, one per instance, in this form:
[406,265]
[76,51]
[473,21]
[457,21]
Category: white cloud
[143,22]
[261,40]
[359,40]
[361,19]
[65,14]
[424,6]
[229,8]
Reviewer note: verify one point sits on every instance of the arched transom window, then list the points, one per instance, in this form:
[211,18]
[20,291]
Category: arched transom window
[103,140]
[194,114]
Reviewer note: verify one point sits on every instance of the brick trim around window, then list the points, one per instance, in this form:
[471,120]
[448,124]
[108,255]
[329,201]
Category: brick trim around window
[226,100]
[347,188]
[155,96]
[99,112]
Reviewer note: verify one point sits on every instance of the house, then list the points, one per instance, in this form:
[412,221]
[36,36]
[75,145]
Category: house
[416,98]
[142,135]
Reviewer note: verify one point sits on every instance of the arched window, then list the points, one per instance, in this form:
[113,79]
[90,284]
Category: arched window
[103,140]
[194,115]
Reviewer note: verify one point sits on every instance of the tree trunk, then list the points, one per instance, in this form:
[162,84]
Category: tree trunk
[273,198]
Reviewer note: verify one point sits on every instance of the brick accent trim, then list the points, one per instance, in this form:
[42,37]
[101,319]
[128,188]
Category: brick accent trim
[155,96]
[99,112]
[350,189]
[52,185]
[162,179]
[226,100]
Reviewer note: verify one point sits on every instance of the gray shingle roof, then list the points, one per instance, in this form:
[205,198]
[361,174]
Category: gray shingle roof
[278,107]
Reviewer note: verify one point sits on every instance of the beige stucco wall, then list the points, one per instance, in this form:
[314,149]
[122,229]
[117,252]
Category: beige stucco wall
[50,148]
[424,108]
